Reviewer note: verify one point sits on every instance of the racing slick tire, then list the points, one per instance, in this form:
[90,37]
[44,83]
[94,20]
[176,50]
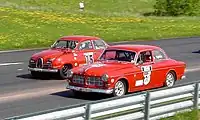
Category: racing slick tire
[170,79]
[63,71]
[120,88]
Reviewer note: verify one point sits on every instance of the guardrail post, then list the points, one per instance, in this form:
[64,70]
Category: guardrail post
[87,112]
[196,96]
[147,106]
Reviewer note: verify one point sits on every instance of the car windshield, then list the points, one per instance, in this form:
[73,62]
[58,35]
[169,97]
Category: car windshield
[65,44]
[119,55]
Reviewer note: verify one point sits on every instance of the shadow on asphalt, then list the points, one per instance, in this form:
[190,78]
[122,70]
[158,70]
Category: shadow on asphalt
[82,96]
[43,76]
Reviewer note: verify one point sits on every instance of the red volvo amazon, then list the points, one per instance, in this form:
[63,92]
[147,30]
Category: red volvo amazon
[126,68]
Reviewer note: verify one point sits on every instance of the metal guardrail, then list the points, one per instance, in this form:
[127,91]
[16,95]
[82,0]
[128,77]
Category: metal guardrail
[148,105]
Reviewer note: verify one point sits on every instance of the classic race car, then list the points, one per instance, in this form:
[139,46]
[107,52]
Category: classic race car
[66,53]
[126,68]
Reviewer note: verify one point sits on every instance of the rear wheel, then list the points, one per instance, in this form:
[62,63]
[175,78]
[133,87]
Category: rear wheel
[170,79]
[120,88]
[63,71]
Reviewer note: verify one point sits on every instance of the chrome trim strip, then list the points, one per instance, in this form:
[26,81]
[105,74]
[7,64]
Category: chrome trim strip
[82,89]
[43,70]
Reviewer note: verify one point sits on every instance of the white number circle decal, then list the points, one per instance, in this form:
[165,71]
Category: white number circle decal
[147,74]
[89,59]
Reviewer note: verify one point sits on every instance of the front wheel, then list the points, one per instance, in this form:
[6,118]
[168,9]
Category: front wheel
[120,88]
[170,79]
[63,71]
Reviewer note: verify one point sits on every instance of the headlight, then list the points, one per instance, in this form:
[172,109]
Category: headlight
[105,77]
[69,73]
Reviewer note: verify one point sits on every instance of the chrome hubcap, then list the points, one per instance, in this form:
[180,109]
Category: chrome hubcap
[119,88]
[170,80]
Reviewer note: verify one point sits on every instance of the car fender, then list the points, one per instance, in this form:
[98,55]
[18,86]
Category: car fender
[120,78]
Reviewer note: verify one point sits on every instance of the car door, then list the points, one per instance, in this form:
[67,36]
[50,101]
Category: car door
[161,66]
[144,76]
[86,53]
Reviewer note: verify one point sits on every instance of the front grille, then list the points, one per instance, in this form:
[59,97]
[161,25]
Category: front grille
[78,79]
[46,66]
[39,63]
[95,81]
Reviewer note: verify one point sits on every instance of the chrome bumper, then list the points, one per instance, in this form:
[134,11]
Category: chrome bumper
[43,70]
[105,91]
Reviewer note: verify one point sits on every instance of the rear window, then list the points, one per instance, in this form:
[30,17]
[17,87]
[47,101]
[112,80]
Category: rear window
[158,55]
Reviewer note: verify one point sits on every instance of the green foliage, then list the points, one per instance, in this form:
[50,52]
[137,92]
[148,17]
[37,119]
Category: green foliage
[177,7]
[38,23]
[192,115]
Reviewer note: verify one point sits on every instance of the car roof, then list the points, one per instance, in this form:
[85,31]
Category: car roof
[133,47]
[79,38]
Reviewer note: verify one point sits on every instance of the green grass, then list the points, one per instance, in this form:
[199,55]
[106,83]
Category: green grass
[192,115]
[38,23]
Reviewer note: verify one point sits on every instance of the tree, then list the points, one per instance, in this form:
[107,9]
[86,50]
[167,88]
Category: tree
[177,7]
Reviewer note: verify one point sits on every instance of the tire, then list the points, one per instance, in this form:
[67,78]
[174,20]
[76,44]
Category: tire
[63,71]
[35,74]
[120,88]
[170,79]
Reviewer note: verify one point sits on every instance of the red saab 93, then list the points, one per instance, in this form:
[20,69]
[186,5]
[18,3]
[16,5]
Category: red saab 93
[126,68]
[66,53]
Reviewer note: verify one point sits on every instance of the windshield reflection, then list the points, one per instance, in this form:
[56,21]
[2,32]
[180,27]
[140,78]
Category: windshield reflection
[70,44]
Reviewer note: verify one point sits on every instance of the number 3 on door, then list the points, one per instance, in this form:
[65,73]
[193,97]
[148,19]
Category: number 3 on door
[147,74]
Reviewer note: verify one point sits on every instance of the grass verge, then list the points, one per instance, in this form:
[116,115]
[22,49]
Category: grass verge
[192,115]
[31,24]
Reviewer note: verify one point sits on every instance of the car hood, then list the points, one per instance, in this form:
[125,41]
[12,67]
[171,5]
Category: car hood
[50,53]
[100,68]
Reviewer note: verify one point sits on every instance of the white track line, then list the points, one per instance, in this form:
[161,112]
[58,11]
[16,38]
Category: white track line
[31,93]
[22,50]
[192,69]
[14,63]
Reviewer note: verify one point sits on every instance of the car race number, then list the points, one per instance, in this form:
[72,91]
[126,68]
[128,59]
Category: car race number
[147,74]
[89,58]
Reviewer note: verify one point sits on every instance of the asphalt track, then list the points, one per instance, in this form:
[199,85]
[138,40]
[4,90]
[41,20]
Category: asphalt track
[20,94]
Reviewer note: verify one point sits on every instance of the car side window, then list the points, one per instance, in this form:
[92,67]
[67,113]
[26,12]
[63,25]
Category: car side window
[158,55]
[144,57]
[85,45]
[99,44]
